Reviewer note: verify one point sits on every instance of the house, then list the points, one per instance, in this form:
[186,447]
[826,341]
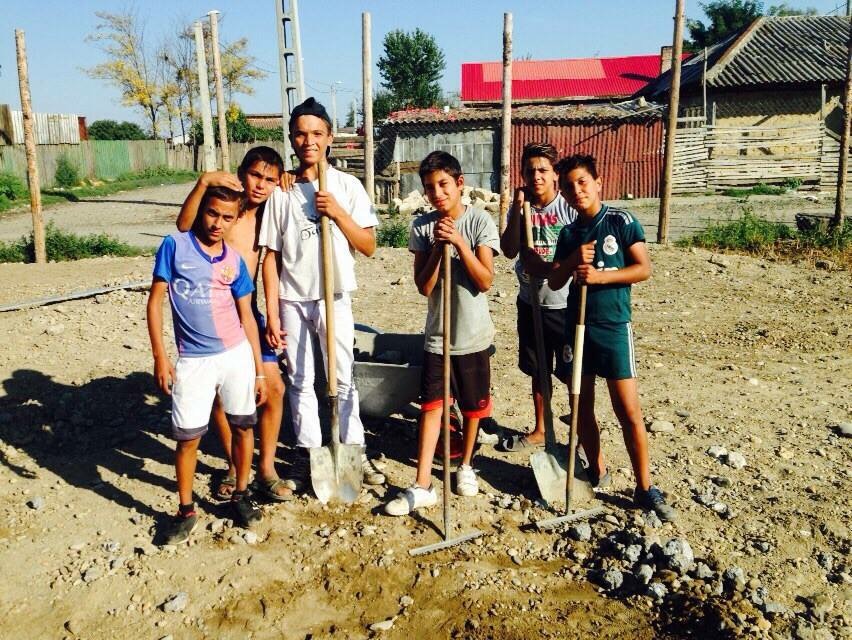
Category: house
[626,139]
[574,80]
[777,71]
[761,106]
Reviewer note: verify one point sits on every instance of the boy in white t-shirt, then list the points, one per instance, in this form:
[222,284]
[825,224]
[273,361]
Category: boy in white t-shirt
[292,280]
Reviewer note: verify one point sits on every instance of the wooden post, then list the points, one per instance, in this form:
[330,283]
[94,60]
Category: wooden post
[506,126]
[840,201]
[367,88]
[30,146]
[220,95]
[204,95]
[671,129]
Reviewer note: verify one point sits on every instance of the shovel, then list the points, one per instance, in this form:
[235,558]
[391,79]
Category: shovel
[445,424]
[549,474]
[335,469]
[574,490]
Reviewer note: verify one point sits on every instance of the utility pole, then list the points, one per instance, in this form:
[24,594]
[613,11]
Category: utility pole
[671,129]
[334,107]
[840,200]
[204,95]
[220,95]
[30,147]
[367,73]
[506,127]
[289,67]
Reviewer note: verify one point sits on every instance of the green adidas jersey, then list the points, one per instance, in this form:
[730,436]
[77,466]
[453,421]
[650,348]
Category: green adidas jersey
[615,231]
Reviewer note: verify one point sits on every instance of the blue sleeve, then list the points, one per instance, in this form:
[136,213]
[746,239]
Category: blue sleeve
[164,260]
[242,284]
[632,233]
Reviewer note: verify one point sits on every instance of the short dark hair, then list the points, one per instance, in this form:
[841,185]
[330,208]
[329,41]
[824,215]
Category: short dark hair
[267,155]
[219,193]
[578,161]
[539,150]
[309,107]
[440,161]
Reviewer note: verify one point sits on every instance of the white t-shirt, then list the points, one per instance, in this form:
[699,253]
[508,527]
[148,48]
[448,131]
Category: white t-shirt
[291,226]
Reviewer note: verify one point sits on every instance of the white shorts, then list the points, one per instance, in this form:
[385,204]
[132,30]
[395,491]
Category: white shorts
[198,380]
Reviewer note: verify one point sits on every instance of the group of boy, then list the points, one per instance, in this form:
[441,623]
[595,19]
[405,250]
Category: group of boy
[210,266]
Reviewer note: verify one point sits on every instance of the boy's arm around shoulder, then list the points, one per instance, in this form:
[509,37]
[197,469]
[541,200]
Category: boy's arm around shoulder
[189,208]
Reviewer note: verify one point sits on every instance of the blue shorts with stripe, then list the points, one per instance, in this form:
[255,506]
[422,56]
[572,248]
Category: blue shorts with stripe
[267,353]
[607,351]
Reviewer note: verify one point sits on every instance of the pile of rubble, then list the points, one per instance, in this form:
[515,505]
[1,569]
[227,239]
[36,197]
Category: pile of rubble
[415,202]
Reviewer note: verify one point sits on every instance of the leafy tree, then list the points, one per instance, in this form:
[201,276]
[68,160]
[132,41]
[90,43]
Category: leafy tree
[112,130]
[411,67]
[785,9]
[350,117]
[725,17]
[131,65]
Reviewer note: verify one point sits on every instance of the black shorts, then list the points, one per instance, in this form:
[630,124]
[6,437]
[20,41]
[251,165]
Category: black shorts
[470,383]
[553,324]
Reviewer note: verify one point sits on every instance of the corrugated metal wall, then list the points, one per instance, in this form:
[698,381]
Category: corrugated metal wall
[629,155]
[49,128]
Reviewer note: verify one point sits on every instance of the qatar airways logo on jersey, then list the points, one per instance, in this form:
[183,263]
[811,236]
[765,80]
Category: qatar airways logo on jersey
[198,293]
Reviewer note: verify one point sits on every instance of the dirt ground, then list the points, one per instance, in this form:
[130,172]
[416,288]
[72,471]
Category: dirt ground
[735,352]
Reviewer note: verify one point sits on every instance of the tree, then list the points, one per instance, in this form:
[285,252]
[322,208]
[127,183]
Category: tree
[131,65]
[112,130]
[785,9]
[725,17]
[239,70]
[411,67]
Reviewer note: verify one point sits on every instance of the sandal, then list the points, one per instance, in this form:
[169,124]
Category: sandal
[226,487]
[270,488]
[516,442]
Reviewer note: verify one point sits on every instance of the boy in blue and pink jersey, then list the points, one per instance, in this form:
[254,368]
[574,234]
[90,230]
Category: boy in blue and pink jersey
[209,290]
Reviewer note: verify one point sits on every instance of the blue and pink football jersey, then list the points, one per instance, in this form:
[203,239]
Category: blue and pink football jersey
[202,290]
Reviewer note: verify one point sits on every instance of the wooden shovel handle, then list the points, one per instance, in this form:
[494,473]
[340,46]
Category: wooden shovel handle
[446,291]
[328,289]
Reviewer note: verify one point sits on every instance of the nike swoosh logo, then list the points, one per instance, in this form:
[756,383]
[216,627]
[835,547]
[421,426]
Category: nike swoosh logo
[188,266]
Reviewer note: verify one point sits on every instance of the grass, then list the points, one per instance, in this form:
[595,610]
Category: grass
[14,193]
[393,233]
[763,189]
[754,235]
[63,246]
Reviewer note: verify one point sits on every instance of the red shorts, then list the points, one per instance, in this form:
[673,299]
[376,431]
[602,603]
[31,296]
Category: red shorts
[470,383]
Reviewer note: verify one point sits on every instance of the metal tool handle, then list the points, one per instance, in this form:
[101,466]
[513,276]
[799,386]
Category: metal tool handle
[446,291]
[538,329]
[576,375]
[328,298]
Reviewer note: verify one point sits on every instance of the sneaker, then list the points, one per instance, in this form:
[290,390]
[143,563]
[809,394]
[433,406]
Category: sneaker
[653,500]
[467,484]
[246,512]
[415,497]
[181,527]
[298,474]
[371,473]
[484,437]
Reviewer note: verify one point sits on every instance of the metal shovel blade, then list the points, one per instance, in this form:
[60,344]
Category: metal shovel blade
[550,475]
[336,472]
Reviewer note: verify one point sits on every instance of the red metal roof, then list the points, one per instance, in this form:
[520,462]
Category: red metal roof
[560,79]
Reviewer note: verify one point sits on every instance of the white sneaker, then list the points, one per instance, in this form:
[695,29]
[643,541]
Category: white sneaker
[483,437]
[415,497]
[370,472]
[467,484]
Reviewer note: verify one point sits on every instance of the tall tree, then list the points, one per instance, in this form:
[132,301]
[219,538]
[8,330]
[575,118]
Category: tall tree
[724,18]
[239,69]
[411,67]
[784,9]
[131,66]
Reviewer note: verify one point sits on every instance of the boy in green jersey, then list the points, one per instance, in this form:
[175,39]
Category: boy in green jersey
[605,250]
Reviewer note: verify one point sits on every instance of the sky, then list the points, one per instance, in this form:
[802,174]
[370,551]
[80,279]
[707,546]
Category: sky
[466,31]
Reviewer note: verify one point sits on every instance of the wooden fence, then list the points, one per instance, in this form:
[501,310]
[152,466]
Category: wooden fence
[713,158]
